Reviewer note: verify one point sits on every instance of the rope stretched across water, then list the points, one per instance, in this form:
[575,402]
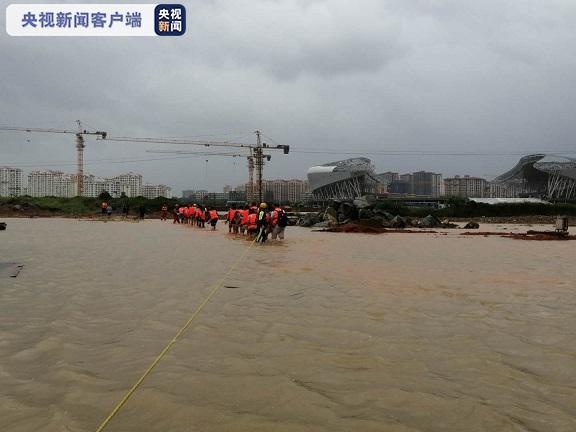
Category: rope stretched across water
[173,341]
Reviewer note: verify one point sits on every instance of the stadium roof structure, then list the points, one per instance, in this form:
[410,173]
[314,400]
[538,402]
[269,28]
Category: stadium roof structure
[550,176]
[346,179]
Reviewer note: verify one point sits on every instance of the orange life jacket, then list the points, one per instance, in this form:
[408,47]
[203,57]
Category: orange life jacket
[252,220]
[231,215]
[213,214]
[200,214]
[245,214]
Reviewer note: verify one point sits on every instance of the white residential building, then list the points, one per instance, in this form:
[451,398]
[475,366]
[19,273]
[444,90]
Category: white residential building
[131,183]
[10,182]
[51,183]
[282,191]
[156,191]
[59,184]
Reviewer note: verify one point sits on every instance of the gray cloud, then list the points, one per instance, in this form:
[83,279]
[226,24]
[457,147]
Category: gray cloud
[294,38]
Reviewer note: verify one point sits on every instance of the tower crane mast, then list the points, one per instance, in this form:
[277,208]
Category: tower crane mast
[249,157]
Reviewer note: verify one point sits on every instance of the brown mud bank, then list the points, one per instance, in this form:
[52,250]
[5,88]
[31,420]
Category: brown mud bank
[529,235]
[368,229]
[515,220]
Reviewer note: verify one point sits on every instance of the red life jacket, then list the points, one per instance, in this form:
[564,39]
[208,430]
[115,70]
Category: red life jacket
[213,214]
[275,215]
[245,214]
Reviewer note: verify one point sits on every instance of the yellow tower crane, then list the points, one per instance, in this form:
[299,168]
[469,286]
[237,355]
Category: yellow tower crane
[80,132]
[249,157]
[256,157]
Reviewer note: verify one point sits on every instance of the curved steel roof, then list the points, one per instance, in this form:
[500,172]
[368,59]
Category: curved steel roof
[334,172]
[516,173]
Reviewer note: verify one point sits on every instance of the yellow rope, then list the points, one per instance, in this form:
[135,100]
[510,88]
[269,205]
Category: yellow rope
[170,344]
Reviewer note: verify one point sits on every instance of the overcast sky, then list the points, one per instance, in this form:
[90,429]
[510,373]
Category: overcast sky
[331,75]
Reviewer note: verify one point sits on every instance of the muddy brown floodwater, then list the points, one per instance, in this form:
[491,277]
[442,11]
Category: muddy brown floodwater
[324,332]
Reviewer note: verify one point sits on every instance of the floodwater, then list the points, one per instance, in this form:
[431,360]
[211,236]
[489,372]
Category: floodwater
[325,332]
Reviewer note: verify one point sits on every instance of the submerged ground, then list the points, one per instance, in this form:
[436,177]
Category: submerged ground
[325,332]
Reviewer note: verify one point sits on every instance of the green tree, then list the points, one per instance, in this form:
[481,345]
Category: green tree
[104,196]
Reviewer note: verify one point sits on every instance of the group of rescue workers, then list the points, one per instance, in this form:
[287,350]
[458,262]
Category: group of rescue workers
[256,222]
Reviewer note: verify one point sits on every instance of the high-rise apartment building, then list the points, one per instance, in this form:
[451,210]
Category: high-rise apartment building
[388,177]
[59,184]
[156,191]
[51,183]
[428,184]
[466,187]
[385,180]
[420,183]
[10,182]
[129,184]
[195,195]
[132,182]
[282,191]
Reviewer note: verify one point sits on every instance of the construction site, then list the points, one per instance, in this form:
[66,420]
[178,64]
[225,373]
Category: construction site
[256,154]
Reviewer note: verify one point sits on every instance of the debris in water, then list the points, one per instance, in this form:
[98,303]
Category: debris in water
[10,269]
[472,225]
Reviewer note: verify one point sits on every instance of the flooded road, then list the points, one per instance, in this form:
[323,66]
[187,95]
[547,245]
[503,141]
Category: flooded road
[325,332]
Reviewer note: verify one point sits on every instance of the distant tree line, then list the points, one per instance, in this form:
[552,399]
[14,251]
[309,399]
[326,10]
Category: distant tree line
[456,207]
